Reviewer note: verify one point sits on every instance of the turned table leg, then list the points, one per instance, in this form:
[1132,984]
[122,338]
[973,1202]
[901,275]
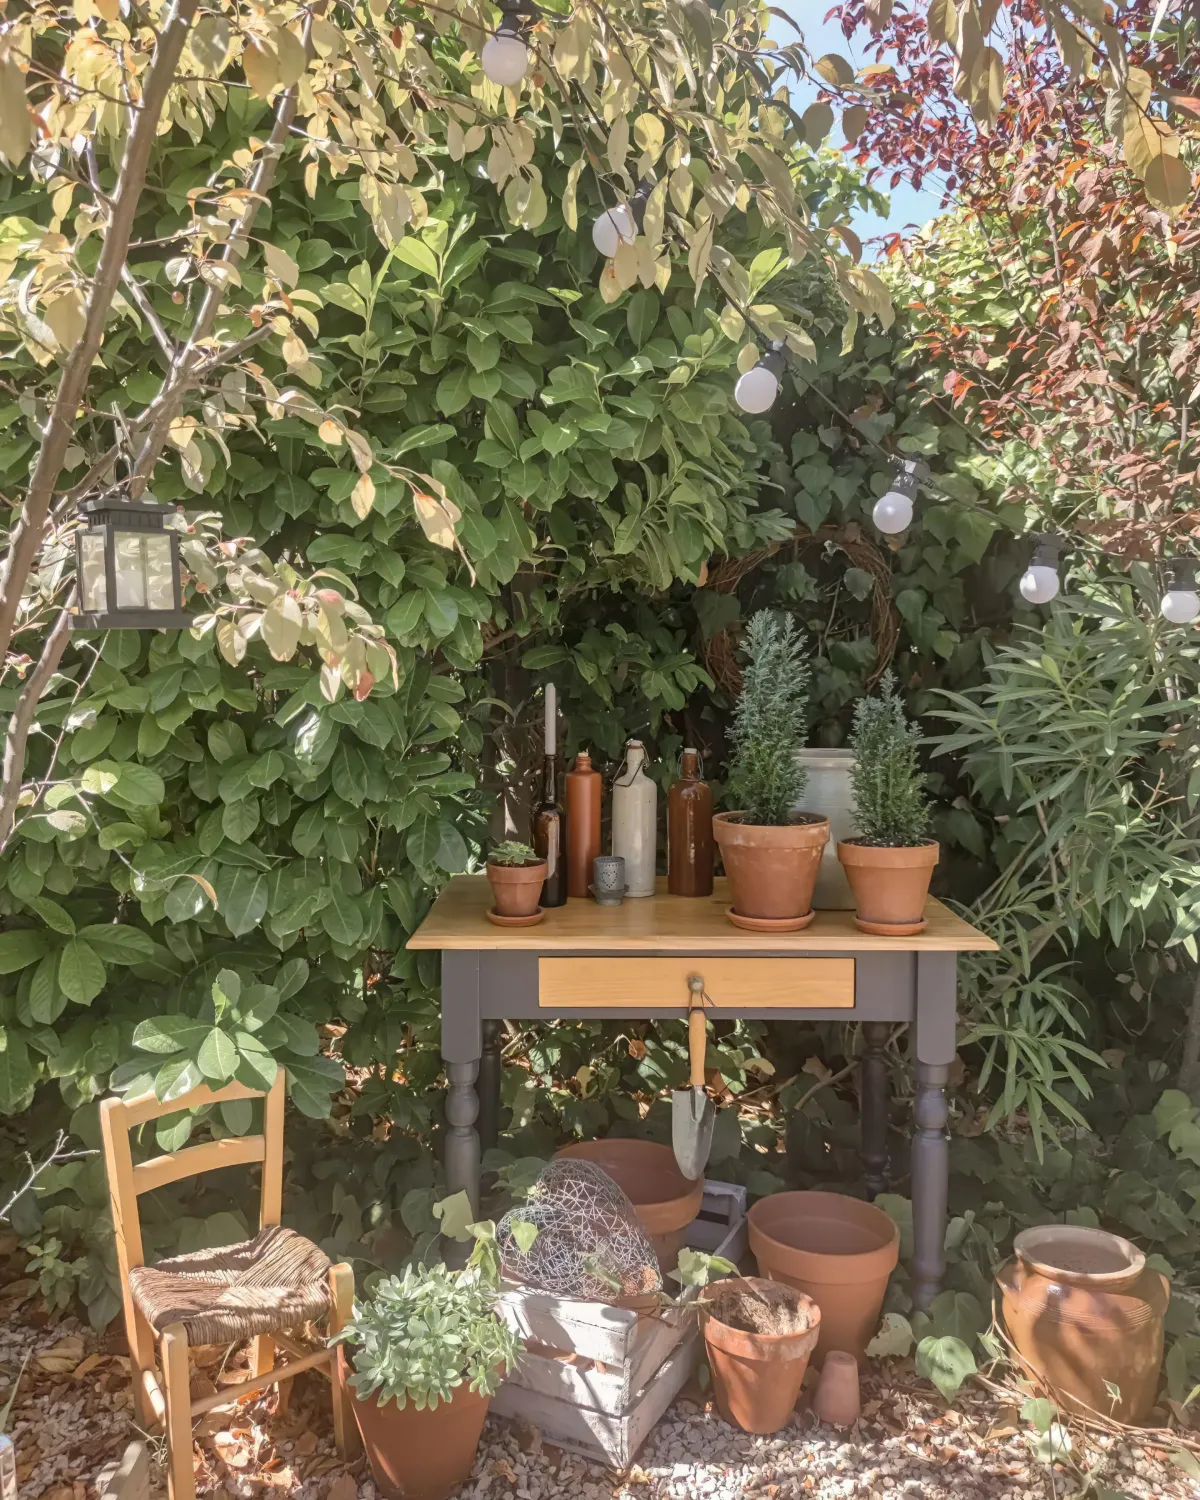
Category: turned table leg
[874,1105]
[489,1086]
[935,1041]
[462,1048]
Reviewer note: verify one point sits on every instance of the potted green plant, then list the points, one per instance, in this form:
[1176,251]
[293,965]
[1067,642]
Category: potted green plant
[771,852]
[516,874]
[890,864]
[422,1357]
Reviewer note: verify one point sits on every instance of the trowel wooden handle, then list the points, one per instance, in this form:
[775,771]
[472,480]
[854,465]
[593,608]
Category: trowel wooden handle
[697,1045]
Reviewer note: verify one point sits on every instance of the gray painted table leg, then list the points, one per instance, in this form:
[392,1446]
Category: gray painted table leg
[935,1040]
[874,1105]
[489,1086]
[462,1046]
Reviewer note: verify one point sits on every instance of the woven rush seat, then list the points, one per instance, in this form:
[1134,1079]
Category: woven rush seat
[276,1281]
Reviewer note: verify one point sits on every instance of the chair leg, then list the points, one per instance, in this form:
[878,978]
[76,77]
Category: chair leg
[262,1359]
[177,1383]
[341,1307]
[141,1357]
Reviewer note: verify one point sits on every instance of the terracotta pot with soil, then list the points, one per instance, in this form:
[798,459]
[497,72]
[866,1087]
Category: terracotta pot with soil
[759,1336]
[1085,1312]
[889,883]
[418,1455]
[516,876]
[665,1200]
[772,869]
[839,1251]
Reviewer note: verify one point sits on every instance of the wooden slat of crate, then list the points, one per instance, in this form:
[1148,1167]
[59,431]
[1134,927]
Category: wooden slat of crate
[598,1435]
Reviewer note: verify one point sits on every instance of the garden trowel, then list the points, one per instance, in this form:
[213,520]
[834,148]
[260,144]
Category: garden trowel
[692,1112]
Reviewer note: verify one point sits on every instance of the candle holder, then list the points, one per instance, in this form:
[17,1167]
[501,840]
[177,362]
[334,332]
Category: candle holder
[608,879]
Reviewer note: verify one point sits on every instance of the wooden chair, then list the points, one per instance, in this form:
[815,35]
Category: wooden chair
[259,1289]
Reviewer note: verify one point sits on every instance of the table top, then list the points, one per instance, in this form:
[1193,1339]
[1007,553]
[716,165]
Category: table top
[668,924]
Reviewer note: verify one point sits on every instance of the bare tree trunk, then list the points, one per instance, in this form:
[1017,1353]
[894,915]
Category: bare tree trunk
[1189,1067]
[27,536]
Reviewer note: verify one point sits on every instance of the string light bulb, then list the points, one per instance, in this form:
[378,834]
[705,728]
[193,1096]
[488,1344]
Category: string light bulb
[1180,603]
[1040,581]
[756,390]
[893,511]
[505,56]
[622,223]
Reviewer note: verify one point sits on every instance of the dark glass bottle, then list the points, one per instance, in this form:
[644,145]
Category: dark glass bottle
[549,829]
[689,832]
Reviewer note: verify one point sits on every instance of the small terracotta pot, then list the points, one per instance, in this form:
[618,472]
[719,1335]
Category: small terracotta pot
[1081,1308]
[772,870]
[665,1200]
[838,1250]
[757,1376]
[889,884]
[837,1400]
[517,888]
[418,1455]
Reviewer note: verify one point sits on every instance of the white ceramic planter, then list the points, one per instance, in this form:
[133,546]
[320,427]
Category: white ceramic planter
[828,793]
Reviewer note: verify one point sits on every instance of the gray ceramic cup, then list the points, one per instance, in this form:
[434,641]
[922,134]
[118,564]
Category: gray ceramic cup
[608,879]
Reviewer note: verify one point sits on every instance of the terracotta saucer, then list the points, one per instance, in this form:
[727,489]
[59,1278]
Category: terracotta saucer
[891,929]
[530,921]
[769,924]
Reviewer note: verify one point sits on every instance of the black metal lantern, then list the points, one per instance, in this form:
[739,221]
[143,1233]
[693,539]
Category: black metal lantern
[128,567]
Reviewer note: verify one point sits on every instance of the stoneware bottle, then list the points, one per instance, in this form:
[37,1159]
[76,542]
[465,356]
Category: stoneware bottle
[583,823]
[635,821]
[689,831]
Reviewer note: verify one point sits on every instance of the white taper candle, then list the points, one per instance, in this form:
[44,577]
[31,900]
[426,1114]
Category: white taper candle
[551,710]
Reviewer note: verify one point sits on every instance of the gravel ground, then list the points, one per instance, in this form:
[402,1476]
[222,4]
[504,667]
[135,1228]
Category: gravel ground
[72,1417]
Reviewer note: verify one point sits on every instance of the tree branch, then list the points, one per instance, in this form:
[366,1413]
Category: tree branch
[28,533]
[21,720]
[35,1171]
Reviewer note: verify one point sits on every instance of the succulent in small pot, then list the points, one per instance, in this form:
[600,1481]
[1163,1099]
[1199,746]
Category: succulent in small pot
[890,864]
[516,874]
[771,853]
[422,1358]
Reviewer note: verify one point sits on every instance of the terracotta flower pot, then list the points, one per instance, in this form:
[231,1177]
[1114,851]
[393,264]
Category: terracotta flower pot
[665,1200]
[837,1399]
[889,884]
[759,1336]
[418,1455]
[838,1250]
[1082,1309]
[517,888]
[772,870]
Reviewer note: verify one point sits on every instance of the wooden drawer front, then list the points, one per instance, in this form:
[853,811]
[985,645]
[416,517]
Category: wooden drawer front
[646,983]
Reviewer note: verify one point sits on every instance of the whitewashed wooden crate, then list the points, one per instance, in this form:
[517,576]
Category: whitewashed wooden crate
[615,1372]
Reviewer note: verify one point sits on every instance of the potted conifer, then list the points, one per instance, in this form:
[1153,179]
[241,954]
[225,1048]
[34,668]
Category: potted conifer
[516,874]
[771,853]
[890,864]
[421,1358]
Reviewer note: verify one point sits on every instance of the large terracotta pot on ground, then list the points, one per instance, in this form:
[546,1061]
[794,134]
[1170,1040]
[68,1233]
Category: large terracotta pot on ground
[418,1455]
[665,1200]
[517,889]
[759,1336]
[889,884]
[1082,1309]
[772,870]
[839,1251]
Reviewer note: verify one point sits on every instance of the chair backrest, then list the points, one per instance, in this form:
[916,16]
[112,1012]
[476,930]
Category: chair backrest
[127,1182]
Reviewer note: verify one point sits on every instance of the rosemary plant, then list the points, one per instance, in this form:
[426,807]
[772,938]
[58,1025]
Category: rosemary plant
[890,803]
[770,722]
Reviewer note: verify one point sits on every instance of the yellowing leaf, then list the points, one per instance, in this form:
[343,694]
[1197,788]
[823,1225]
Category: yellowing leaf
[362,496]
[65,316]
[292,61]
[732,323]
[570,210]
[835,70]
[330,432]
[260,63]
[438,518]
[109,9]
[281,626]
[281,265]
[1168,183]
[16,124]
[649,135]
[818,122]
[854,121]
[942,21]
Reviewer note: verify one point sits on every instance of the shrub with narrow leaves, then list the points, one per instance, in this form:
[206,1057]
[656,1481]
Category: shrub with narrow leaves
[770,722]
[890,804]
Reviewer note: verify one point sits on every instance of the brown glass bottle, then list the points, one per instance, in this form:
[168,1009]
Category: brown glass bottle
[689,832]
[583,823]
[549,829]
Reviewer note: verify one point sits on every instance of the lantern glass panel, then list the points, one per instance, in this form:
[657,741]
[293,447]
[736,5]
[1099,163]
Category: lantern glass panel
[160,574]
[130,562]
[93,579]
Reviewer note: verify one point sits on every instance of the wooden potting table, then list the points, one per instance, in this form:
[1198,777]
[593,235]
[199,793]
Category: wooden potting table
[591,962]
